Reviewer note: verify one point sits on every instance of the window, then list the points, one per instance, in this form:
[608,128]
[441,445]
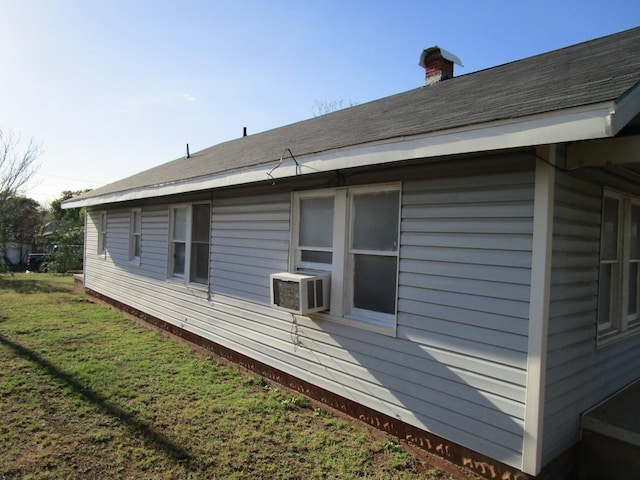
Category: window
[352,233]
[189,243]
[315,241]
[135,235]
[619,278]
[102,234]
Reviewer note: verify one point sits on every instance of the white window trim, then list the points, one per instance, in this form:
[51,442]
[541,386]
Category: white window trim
[296,262]
[629,322]
[341,308]
[621,324]
[102,234]
[374,318]
[133,258]
[184,278]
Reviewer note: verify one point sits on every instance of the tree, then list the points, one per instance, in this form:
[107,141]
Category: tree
[16,168]
[324,107]
[65,230]
[73,217]
[20,219]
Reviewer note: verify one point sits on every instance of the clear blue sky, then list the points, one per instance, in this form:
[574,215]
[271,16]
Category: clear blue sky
[114,87]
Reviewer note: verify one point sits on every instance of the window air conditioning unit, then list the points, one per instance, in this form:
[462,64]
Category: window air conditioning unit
[299,292]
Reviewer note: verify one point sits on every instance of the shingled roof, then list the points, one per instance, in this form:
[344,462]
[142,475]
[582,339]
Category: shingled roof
[589,73]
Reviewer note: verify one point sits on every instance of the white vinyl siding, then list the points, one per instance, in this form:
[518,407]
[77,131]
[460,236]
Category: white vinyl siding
[579,374]
[457,366]
[154,230]
[250,241]
[464,290]
[155,234]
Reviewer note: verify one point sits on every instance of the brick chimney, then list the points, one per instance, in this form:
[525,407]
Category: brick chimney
[438,64]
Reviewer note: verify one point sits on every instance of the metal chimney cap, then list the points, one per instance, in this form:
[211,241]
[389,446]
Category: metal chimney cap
[445,54]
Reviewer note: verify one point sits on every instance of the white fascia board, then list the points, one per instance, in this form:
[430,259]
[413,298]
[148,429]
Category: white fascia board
[625,110]
[583,123]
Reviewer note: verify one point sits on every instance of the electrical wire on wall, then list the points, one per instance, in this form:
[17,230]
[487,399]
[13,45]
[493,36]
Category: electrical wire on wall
[269,173]
[295,334]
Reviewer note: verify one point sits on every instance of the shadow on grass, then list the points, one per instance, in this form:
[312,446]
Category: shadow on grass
[27,286]
[154,439]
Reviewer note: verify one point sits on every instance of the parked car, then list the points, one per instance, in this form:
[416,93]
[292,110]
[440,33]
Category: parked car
[37,262]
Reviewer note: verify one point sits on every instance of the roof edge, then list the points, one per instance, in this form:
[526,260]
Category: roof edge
[627,106]
[579,123]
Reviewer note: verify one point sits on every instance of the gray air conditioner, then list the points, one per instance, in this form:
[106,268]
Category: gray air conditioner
[299,292]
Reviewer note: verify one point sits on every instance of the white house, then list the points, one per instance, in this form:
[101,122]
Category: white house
[480,237]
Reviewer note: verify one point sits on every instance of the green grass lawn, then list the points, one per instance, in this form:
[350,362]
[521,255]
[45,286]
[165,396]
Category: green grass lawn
[86,393]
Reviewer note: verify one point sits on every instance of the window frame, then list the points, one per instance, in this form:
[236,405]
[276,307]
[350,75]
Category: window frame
[621,323]
[188,241]
[102,234]
[297,262]
[135,236]
[342,267]
[371,316]
[631,319]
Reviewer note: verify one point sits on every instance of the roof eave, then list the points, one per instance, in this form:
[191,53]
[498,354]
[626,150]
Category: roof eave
[626,108]
[581,123]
